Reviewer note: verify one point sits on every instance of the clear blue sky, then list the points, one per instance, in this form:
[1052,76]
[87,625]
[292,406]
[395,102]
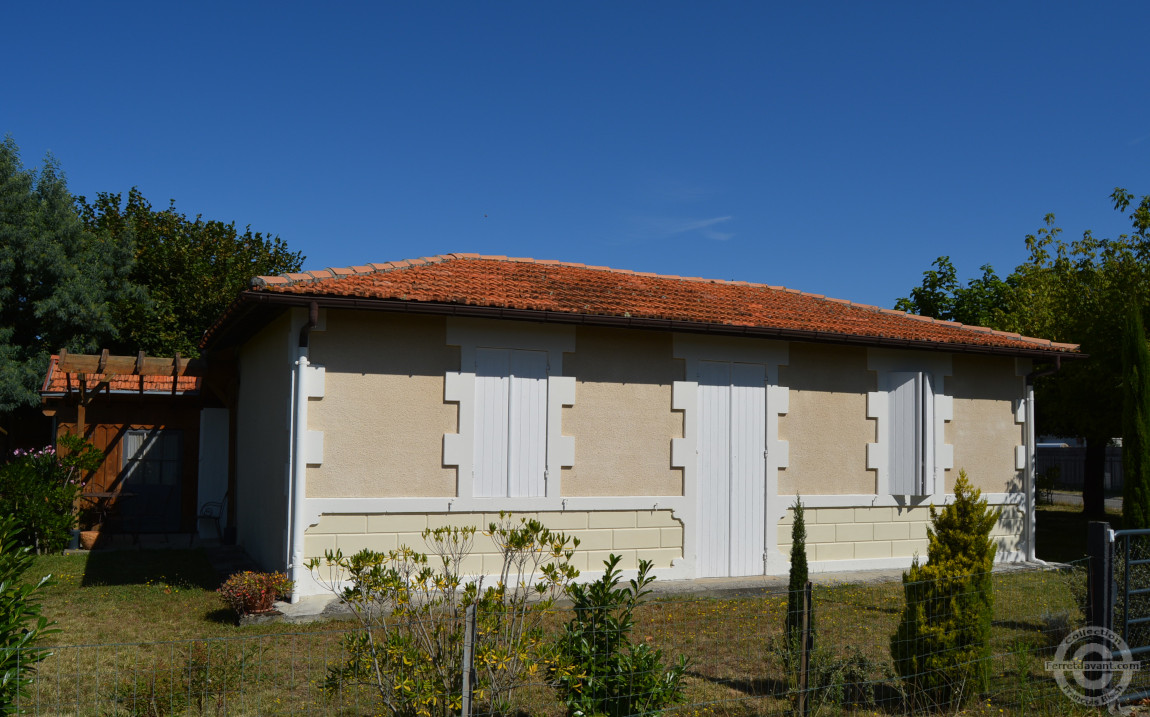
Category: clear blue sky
[831,147]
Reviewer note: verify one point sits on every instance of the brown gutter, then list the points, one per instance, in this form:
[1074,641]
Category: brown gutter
[253,299]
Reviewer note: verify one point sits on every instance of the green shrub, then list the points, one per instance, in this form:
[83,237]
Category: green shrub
[598,670]
[411,608]
[941,648]
[251,592]
[21,623]
[797,586]
[195,679]
[40,489]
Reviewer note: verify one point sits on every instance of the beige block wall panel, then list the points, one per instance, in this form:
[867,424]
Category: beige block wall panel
[892,531]
[472,565]
[873,515]
[917,513]
[339,524]
[317,545]
[671,537]
[854,532]
[918,530]
[834,551]
[827,425]
[628,561]
[655,519]
[567,521]
[983,431]
[414,541]
[818,533]
[379,542]
[622,419]
[873,549]
[402,523]
[612,519]
[636,538]
[603,539]
[901,548]
[660,557]
[830,515]
[383,415]
[458,520]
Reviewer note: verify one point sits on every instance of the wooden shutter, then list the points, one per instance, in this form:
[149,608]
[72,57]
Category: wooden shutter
[527,421]
[911,464]
[748,467]
[714,428]
[492,389]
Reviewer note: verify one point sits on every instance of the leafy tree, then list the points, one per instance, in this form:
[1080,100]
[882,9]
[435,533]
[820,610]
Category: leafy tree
[978,303]
[1136,424]
[1074,292]
[192,269]
[58,279]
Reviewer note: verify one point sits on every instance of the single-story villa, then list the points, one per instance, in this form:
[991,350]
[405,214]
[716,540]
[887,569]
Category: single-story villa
[657,417]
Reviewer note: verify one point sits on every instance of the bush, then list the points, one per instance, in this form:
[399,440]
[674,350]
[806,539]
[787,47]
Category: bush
[251,592]
[941,648]
[797,585]
[195,679]
[21,623]
[40,488]
[598,670]
[411,609]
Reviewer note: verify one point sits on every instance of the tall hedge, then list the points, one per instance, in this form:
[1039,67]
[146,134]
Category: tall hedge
[1135,423]
[942,644]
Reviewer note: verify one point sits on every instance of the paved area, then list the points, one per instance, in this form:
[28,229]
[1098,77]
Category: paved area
[1067,498]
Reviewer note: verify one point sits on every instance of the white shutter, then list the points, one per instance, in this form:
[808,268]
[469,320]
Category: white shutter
[748,463]
[492,383]
[527,433]
[926,422]
[714,468]
[911,465]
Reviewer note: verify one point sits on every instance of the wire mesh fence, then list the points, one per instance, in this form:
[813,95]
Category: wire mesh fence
[739,662]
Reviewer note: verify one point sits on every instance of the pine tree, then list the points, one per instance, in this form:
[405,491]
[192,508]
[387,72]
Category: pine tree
[1135,423]
[58,280]
[942,644]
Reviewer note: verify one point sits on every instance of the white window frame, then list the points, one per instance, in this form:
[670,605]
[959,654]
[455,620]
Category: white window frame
[470,335]
[910,382]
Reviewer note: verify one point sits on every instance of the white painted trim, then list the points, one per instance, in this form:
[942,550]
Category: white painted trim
[897,501]
[459,387]
[684,451]
[884,362]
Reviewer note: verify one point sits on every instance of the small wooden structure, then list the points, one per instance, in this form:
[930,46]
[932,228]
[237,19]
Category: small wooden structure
[149,415]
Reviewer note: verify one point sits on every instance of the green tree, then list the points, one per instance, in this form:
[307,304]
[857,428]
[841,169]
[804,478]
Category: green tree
[59,281]
[192,269]
[1136,424]
[1074,292]
[796,588]
[979,303]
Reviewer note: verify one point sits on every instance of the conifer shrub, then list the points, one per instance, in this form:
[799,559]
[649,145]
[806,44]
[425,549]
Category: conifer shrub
[798,575]
[941,647]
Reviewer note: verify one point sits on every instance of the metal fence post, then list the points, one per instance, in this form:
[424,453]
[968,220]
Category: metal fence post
[468,660]
[1100,586]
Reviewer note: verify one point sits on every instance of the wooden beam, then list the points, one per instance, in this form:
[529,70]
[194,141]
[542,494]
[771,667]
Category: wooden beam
[103,361]
[132,365]
[175,371]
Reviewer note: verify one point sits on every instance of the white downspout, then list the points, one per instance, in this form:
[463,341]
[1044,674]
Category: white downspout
[1031,484]
[297,493]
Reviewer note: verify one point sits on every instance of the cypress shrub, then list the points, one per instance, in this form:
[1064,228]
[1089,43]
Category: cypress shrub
[798,574]
[942,644]
[1135,424]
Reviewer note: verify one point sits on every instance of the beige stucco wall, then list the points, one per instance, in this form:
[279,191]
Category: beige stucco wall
[869,533]
[622,419]
[262,434]
[653,535]
[826,424]
[382,415]
[985,391]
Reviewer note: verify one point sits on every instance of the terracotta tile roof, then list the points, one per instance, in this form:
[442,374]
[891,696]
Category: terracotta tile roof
[472,280]
[58,382]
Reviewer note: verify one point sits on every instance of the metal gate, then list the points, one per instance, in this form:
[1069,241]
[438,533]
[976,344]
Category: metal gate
[1120,593]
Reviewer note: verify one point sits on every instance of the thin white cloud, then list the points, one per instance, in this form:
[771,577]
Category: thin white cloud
[647,228]
[690,226]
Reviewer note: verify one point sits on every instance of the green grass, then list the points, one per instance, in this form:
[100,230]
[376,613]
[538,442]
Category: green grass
[127,597]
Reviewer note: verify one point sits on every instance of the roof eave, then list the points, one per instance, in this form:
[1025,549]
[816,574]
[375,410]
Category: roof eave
[227,330]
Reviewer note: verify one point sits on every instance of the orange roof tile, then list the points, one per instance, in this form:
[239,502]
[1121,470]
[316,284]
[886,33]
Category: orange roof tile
[58,382]
[567,288]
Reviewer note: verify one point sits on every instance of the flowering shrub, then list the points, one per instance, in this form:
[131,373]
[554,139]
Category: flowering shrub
[250,592]
[40,488]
